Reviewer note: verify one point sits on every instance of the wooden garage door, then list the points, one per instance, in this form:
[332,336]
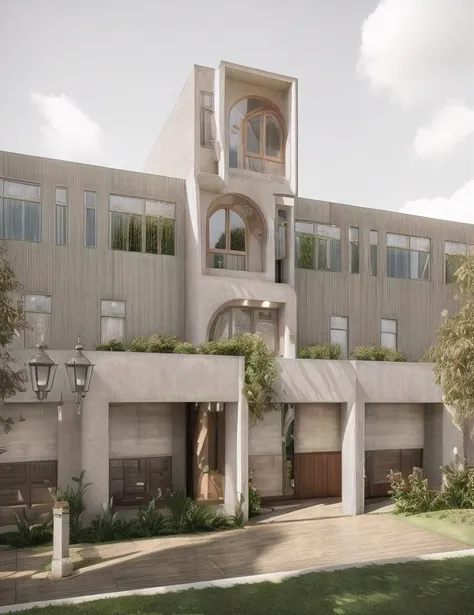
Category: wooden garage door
[136,481]
[378,465]
[318,475]
[27,483]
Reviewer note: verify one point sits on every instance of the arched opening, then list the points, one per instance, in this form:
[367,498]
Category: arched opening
[235,234]
[256,137]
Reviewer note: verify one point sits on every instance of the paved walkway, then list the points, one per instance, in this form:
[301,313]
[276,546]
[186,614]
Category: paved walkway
[321,536]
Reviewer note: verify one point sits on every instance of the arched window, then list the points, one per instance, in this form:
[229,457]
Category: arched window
[256,137]
[263,136]
[227,237]
[235,321]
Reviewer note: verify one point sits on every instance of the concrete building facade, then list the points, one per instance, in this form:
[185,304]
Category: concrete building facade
[211,242]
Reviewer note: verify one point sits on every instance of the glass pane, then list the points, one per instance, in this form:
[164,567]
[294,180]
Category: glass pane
[266,328]
[339,337]
[151,239]
[207,128]
[388,340]
[166,237]
[452,247]
[12,219]
[374,238]
[119,224]
[397,241]
[217,238]
[280,238]
[253,135]
[272,137]
[353,233]
[339,322]
[220,329]
[389,325]
[354,256]
[452,264]
[22,191]
[335,255]
[61,224]
[328,230]
[207,100]
[323,254]
[420,243]
[305,252]
[32,222]
[420,265]
[237,232]
[127,204]
[112,308]
[111,329]
[61,196]
[40,329]
[160,208]
[37,303]
[398,263]
[90,199]
[373,260]
[90,228]
[240,321]
[304,227]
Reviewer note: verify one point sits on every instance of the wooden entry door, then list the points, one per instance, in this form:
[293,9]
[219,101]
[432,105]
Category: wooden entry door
[318,475]
[136,481]
[378,465]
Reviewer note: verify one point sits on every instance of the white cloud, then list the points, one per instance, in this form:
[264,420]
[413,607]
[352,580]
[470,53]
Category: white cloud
[449,127]
[458,207]
[419,50]
[69,133]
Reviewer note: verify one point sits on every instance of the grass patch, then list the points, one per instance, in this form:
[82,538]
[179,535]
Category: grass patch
[455,524]
[417,588]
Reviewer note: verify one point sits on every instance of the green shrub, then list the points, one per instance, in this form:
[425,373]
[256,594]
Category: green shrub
[260,370]
[150,522]
[413,496]
[458,488]
[159,342]
[377,353]
[320,351]
[254,500]
[185,348]
[75,499]
[111,346]
[106,527]
[138,344]
[29,534]
[188,517]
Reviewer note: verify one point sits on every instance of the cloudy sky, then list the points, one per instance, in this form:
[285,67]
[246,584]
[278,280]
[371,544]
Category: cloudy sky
[386,88]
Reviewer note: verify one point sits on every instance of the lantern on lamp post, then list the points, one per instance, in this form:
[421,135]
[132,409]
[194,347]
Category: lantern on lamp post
[42,371]
[79,371]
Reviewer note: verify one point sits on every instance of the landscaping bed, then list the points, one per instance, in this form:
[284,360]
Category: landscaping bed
[455,524]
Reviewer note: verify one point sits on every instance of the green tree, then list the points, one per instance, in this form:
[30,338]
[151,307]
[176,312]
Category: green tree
[12,321]
[453,355]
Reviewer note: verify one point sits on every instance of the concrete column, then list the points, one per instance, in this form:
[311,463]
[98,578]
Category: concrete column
[61,566]
[69,444]
[353,456]
[178,447]
[236,451]
[95,454]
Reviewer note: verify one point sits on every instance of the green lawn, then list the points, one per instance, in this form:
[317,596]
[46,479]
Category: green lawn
[455,524]
[418,588]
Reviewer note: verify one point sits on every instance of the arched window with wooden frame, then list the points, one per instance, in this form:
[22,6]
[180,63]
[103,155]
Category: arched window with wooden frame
[227,240]
[257,137]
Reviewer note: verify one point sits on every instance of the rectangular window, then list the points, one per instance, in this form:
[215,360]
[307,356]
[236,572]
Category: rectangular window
[61,216]
[317,246]
[20,211]
[354,249]
[454,255]
[90,203]
[38,315]
[281,234]
[388,333]
[140,225]
[339,334]
[112,320]
[207,119]
[374,242]
[408,257]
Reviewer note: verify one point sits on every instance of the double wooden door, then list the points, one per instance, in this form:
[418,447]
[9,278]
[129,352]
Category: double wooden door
[135,481]
[318,475]
[378,465]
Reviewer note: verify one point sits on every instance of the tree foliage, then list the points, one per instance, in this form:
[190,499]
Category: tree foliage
[12,321]
[453,354]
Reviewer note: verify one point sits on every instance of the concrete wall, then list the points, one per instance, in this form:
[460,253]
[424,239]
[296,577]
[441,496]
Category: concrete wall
[265,454]
[366,299]
[394,426]
[153,286]
[317,428]
[35,439]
